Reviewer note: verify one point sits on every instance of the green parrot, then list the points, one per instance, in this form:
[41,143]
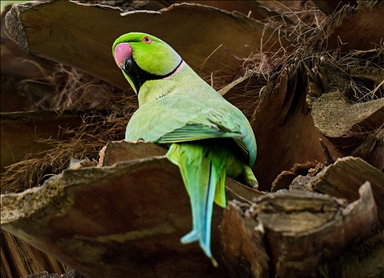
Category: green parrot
[206,136]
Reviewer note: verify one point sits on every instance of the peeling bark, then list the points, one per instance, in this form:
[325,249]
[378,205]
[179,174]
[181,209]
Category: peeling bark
[293,231]
[343,178]
[20,133]
[132,210]
[312,89]
[30,23]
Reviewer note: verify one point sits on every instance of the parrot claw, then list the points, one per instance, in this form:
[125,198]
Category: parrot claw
[250,178]
[253,184]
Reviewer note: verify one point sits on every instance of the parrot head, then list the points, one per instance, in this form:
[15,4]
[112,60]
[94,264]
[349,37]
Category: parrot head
[143,57]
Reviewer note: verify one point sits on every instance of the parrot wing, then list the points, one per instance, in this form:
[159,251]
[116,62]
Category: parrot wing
[180,119]
[193,132]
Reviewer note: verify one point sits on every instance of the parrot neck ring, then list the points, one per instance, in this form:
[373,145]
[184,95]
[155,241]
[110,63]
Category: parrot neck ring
[138,76]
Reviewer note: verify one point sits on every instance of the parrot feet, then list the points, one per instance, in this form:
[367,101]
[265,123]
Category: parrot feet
[250,179]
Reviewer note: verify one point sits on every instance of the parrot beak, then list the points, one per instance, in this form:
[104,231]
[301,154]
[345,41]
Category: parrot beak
[127,65]
[122,53]
[124,60]
[130,71]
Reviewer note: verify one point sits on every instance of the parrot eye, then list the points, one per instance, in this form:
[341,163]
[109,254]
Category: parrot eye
[147,40]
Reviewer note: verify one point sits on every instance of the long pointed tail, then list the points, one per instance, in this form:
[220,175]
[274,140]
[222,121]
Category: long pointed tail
[202,206]
[204,181]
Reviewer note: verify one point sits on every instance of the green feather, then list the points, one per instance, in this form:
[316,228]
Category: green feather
[209,138]
[215,115]
[195,132]
[203,171]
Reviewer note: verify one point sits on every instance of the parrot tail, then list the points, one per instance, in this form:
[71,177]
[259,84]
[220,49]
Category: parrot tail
[204,175]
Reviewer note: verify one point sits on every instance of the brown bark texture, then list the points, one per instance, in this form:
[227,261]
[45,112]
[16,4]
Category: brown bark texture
[78,201]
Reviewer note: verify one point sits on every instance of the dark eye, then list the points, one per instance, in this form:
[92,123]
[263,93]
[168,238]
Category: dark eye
[147,40]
